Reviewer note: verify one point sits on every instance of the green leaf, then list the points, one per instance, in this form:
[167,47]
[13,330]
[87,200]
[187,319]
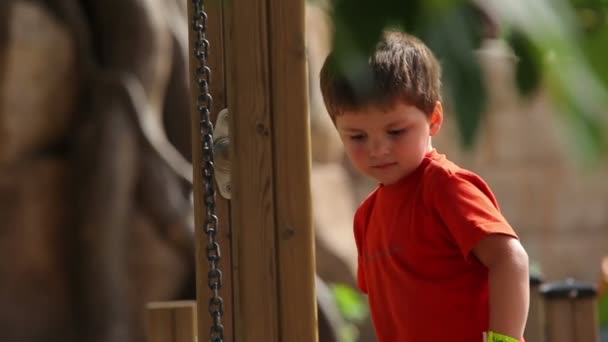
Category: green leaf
[453,30]
[351,33]
[453,39]
[469,97]
[588,130]
[351,304]
[589,3]
[603,310]
[595,49]
[529,67]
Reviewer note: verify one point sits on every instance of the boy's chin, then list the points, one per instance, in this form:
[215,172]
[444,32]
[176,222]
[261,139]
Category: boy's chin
[385,177]
[389,179]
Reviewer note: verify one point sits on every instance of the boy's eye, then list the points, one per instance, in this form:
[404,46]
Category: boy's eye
[396,132]
[357,137]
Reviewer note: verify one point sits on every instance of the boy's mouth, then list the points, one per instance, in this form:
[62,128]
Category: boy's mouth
[383,165]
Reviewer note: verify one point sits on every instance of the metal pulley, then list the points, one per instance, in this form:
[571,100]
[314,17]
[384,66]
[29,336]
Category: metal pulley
[221,151]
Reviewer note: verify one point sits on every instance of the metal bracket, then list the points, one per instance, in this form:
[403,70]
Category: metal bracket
[221,153]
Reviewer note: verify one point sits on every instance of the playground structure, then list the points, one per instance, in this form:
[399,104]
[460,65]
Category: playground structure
[33,222]
[564,311]
[265,231]
[99,219]
[560,311]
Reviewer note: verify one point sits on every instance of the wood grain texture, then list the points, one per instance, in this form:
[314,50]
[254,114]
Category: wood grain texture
[534,330]
[291,141]
[570,320]
[171,321]
[256,311]
[559,315]
[586,320]
[270,212]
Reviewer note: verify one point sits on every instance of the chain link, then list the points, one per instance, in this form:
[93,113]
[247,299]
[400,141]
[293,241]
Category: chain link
[203,104]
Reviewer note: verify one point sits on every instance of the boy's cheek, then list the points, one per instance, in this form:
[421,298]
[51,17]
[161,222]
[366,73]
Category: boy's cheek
[356,155]
[360,165]
[357,149]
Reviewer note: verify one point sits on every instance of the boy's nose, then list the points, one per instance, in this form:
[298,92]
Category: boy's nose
[378,148]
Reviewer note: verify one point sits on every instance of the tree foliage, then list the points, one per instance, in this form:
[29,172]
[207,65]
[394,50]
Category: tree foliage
[560,45]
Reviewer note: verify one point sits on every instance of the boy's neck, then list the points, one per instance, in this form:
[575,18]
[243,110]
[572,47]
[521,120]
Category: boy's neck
[429,148]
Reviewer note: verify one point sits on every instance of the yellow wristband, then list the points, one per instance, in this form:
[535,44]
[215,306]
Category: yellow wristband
[496,337]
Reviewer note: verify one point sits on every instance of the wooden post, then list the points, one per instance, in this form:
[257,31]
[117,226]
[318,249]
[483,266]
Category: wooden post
[292,164]
[171,321]
[571,311]
[270,293]
[534,331]
[274,291]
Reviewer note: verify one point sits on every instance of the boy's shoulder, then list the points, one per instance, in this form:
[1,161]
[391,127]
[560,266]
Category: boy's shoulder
[366,205]
[446,178]
[442,171]
[439,174]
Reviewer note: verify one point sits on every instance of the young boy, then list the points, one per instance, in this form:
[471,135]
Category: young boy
[437,259]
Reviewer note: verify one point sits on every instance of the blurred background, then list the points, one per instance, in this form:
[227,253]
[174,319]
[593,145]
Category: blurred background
[525,92]
[95,175]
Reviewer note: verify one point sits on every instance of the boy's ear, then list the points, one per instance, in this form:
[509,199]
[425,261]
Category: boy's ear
[436,119]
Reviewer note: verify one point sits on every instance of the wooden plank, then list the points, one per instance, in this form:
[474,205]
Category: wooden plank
[560,320]
[171,321]
[256,219]
[215,35]
[252,206]
[586,320]
[291,147]
[535,325]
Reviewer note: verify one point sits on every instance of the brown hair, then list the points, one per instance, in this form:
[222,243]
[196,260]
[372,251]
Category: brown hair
[401,68]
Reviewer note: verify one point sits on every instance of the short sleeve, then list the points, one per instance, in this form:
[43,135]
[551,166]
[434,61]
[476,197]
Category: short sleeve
[361,283]
[468,209]
[359,226]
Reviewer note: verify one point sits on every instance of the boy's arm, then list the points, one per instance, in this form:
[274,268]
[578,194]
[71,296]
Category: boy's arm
[509,286]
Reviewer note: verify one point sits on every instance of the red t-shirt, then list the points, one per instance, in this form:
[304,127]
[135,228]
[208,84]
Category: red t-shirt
[414,240]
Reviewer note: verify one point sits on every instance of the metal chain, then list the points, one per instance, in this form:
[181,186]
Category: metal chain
[204,103]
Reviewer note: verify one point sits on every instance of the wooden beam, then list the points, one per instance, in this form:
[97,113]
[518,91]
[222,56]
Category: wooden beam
[171,321]
[571,311]
[271,223]
[586,320]
[291,148]
[271,209]
[535,326]
[256,310]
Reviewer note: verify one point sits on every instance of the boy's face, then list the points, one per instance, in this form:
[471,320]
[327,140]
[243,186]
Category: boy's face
[388,144]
